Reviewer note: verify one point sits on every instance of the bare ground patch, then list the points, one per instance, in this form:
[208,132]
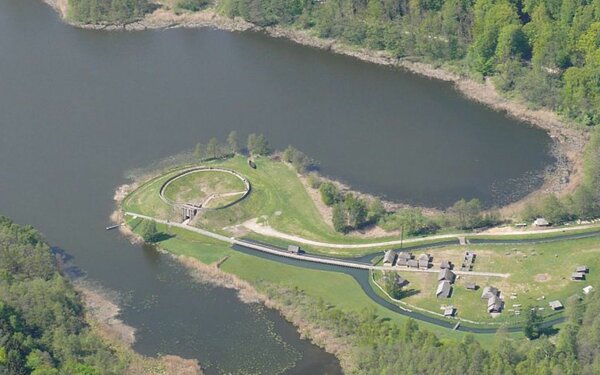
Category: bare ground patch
[542,277]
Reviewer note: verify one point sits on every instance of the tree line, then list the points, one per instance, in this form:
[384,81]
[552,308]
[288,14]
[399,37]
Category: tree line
[373,345]
[544,51]
[107,11]
[42,327]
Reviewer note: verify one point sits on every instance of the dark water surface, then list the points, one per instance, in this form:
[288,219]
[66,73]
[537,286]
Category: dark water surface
[79,108]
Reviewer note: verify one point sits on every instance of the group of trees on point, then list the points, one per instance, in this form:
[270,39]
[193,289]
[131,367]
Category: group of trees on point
[298,159]
[215,150]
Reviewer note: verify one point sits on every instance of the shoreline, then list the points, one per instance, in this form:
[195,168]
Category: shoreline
[569,142]
[101,313]
[247,293]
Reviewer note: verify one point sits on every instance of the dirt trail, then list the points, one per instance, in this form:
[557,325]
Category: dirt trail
[266,230]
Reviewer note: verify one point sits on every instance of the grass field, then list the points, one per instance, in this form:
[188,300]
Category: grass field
[538,274]
[198,186]
[336,289]
[278,199]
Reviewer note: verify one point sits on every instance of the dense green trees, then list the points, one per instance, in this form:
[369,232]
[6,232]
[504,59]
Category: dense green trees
[301,162]
[107,11]
[149,231]
[42,329]
[258,145]
[544,51]
[377,346]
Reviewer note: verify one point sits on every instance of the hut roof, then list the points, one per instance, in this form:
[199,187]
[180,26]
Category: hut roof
[494,304]
[412,263]
[446,274]
[471,286]
[541,222]
[444,289]
[578,276]
[294,249]
[401,280]
[449,311]
[389,256]
[424,263]
[405,255]
[489,292]
[446,264]
[555,305]
[582,269]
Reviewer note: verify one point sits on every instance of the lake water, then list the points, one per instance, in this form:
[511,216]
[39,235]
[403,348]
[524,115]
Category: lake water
[80,108]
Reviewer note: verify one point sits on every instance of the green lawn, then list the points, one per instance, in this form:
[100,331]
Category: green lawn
[538,274]
[196,187]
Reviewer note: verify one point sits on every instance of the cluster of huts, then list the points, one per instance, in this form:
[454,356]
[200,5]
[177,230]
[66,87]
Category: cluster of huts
[495,304]
[580,272]
[406,259]
[445,280]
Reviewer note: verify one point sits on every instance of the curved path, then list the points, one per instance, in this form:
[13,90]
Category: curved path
[170,180]
[305,257]
[271,232]
[359,269]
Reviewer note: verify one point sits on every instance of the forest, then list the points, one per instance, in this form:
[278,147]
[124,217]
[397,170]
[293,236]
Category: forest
[545,52]
[107,11]
[42,327]
[379,347]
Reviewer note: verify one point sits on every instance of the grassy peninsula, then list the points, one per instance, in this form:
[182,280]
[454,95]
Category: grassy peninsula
[284,207]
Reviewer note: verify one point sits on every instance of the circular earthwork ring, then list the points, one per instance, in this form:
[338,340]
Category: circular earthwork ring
[172,179]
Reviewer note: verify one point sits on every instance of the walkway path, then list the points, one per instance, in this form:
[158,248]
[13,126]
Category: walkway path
[304,257]
[268,231]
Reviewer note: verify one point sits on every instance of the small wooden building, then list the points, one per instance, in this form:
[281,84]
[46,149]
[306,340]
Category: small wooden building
[495,304]
[447,275]
[401,262]
[294,249]
[400,281]
[444,289]
[541,222]
[555,305]
[582,269]
[449,311]
[389,257]
[446,264]
[412,263]
[471,286]
[578,276]
[489,292]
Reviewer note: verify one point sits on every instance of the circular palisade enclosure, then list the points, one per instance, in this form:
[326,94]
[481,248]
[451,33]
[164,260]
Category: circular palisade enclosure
[206,188]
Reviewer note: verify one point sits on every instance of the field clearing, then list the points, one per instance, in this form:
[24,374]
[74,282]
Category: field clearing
[539,273]
[197,187]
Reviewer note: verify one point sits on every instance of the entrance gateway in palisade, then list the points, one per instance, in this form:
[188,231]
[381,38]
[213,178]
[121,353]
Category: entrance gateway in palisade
[203,188]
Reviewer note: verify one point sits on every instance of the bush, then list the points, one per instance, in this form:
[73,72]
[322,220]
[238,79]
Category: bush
[192,5]
[330,194]
[314,181]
